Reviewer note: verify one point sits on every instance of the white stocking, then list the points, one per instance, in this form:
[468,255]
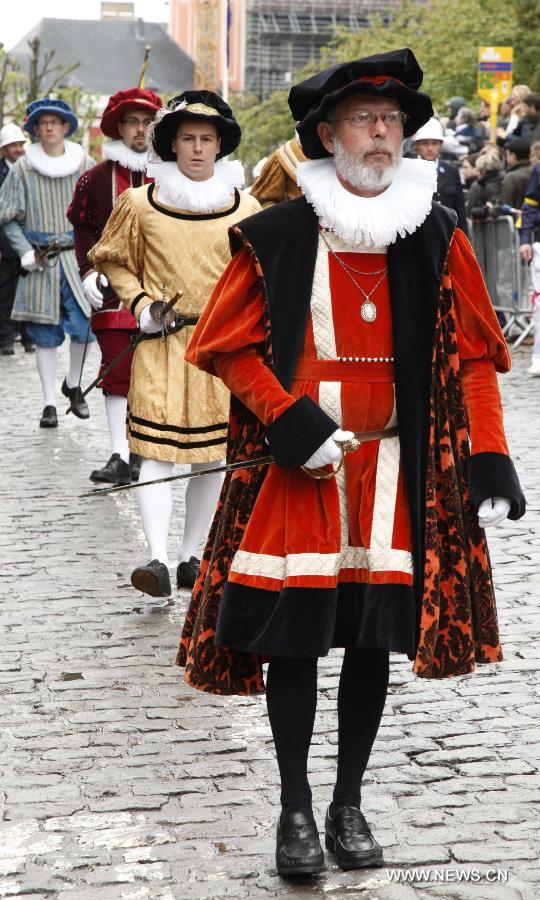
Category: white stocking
[116,408]
[155,505]
[536,320]
[76,354]
[202,495]
[46,366]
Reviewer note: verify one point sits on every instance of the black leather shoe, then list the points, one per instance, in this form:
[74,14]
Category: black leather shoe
[349,837]
[298,848]
[188,572]
[7,350]
[134,466]
[116,471]
[48,418]
[80,406]
[152,579]
[29,348]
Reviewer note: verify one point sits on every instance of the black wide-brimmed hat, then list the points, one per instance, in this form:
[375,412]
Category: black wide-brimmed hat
[394,74]
[197,106]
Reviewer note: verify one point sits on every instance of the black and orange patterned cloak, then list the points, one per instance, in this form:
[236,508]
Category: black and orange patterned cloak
[456,619]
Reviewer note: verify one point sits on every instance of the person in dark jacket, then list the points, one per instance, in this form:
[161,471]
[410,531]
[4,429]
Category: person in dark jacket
[531,121]
[12,141]
[517,173]
[529,250]
[428,142]
[453,106]
[488,185]
[529,227]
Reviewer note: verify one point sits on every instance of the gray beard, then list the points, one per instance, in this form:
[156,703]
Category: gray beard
[352,169]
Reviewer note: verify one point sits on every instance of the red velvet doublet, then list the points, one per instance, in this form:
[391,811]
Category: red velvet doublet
[354,528]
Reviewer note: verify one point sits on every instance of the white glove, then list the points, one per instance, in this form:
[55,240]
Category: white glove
[493,511]
[146,322]
[329,452]
[28,262]
[91,289]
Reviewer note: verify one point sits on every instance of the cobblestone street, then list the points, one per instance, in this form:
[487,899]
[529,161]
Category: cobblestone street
[119,781]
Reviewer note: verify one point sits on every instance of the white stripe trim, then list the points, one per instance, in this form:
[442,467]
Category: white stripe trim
[386,485]
[330,403]
[321,307]
[320,564]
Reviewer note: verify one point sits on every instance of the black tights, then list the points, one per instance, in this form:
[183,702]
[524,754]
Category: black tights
[291,695]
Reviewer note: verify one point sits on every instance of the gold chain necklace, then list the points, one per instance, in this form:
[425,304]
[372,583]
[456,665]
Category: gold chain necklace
[368,310]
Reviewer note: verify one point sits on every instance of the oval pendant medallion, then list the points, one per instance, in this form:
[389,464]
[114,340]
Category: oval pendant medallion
[368,311]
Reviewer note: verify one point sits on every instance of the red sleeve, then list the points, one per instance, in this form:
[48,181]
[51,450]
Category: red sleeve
[81,215]
[482,349]
[229,338]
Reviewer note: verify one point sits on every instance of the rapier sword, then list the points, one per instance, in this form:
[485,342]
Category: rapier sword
[346,447]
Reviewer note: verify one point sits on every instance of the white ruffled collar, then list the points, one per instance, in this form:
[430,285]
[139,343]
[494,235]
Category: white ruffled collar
[119,152]
[374,221]
[56,166]
[180,192]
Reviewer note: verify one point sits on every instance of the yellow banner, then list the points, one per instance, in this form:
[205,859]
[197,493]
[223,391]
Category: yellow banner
[494,79]
[495,73]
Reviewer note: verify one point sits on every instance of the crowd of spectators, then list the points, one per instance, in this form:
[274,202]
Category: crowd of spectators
[494,177]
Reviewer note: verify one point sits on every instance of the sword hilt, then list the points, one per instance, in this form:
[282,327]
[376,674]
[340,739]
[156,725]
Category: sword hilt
[351,446]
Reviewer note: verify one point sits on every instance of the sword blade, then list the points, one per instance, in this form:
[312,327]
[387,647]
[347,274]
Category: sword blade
[363,437]
[231,467]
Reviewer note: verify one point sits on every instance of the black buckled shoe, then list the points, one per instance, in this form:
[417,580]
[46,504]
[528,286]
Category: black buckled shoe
[48,418]
[134,466]
[188,572]
[152,579]
[79,406]
[349,837]
[116,471]
[298,848]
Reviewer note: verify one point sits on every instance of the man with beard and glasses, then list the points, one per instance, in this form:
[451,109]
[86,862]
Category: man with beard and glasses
[356,310]
[125,120]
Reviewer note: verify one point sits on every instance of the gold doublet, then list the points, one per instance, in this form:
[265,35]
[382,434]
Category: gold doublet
[176,413]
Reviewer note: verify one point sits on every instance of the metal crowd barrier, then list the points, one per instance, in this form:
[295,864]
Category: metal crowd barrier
[496,245]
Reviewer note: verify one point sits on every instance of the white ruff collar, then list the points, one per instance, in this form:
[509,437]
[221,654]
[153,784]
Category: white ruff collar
[378,221]
[175,189]
[119,152]
[56,166]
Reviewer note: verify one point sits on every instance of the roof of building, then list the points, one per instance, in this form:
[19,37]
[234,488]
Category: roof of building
[110,54]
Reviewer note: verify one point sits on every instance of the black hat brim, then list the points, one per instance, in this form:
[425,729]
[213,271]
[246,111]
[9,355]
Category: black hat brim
[165,132]
[416,104]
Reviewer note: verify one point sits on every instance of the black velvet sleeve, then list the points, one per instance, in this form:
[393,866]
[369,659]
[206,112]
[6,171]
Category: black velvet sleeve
[494,475]
[298,432]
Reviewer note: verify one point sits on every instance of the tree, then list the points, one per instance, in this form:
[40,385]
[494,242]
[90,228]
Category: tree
[44,78]
[264,125]
[527,42]
[444,36]
[267,124]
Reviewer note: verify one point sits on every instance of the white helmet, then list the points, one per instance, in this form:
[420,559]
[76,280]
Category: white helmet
[11,134]
[431,131]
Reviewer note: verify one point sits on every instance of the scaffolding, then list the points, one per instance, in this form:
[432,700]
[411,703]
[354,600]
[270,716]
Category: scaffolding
[284,35]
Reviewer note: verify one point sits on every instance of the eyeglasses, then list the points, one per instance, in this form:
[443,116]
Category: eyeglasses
[363,119]
[134,122]
[54,122]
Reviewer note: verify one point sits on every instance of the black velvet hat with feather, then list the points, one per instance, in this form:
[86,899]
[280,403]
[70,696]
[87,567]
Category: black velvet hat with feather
[393,74]
[195,106]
